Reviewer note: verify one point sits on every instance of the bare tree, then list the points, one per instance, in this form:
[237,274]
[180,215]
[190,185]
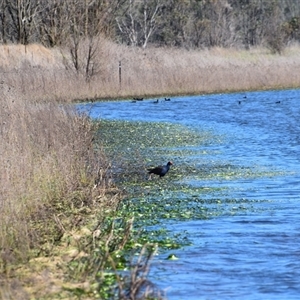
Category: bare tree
[54,22]
[276,36]
[138,21]
[150,20]
[181,23]
[84,56]
[3,21]
[218,16]
[127,24]
[87,22]
[22,14]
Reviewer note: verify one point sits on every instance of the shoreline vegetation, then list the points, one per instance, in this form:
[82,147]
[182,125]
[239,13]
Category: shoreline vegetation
[41,73]
[62,235]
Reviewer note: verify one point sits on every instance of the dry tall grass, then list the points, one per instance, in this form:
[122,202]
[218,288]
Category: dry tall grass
[47,163]
[48,74]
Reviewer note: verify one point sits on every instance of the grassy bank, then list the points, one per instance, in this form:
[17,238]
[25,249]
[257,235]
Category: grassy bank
[49,73]
[47,167]
[62,235]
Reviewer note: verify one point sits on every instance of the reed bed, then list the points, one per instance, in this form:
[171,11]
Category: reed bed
[48,169]
[49,73]
[47,161]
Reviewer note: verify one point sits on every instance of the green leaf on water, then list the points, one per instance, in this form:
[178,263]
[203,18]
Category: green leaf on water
[172,257]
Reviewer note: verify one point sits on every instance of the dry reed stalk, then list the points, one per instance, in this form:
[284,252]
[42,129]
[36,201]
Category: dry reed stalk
[47,162]
[137,286]
[46,74]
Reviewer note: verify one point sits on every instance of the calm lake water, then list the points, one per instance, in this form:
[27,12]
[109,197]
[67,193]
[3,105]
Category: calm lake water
[253,253]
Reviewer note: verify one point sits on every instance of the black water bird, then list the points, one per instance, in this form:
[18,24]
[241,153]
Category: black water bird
[156,101]
[138,99]
[160,170]
[167,99]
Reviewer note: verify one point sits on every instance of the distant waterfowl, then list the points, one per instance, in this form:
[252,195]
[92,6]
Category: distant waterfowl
[156,101]
[138,99]
[277,102]
[167,99]
[160,170]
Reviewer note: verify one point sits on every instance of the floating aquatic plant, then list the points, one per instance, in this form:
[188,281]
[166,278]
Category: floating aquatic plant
[189,190]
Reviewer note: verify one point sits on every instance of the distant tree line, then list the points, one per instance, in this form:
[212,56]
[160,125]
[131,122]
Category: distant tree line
[180,23]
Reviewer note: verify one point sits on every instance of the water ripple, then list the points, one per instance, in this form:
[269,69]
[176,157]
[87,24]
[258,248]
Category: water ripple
[241,254]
